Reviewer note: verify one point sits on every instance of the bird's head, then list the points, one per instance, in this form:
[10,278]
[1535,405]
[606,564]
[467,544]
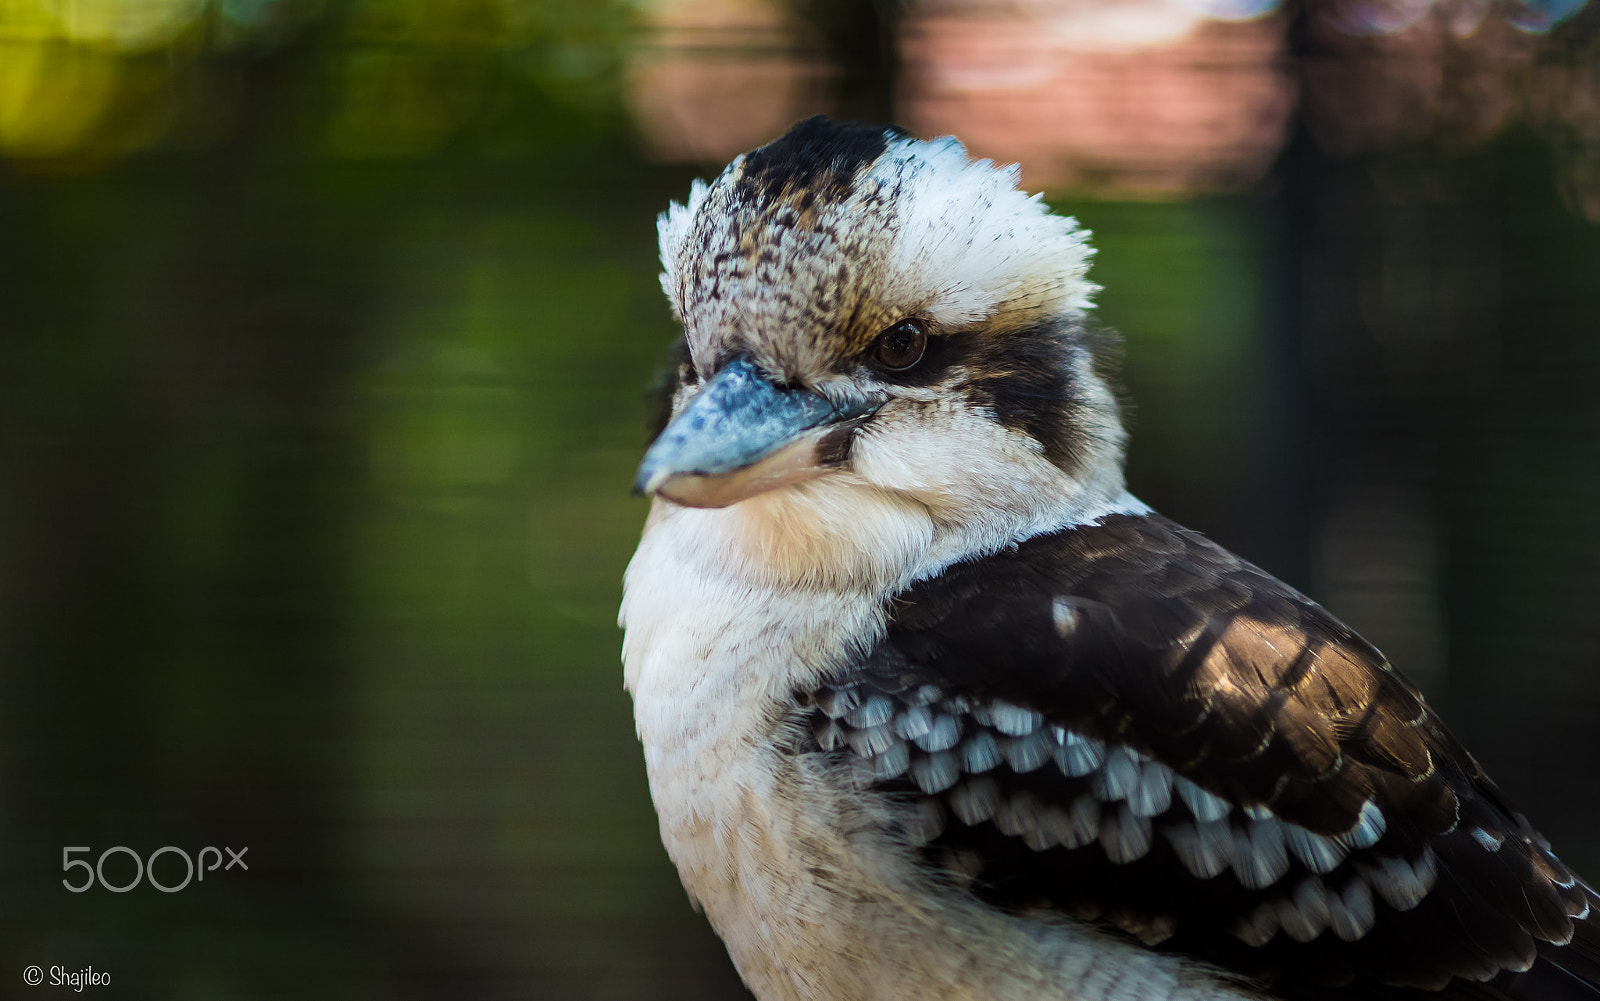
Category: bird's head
[886,362]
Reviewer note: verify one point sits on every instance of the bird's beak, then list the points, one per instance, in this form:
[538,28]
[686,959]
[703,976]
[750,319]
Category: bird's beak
[741,436]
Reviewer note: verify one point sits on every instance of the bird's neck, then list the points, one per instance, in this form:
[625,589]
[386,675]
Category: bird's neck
[710,587]
[848,538]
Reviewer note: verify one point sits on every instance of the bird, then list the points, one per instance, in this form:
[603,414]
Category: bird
[932,706]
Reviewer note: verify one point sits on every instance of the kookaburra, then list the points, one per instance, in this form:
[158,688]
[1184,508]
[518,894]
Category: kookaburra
[933,708]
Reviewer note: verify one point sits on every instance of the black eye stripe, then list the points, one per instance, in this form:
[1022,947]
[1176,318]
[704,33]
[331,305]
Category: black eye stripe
[1024,378]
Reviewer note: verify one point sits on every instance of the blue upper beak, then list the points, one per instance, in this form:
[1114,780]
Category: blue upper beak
[742,435]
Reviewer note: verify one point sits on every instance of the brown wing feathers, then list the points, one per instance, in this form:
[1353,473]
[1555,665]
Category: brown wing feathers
[1125,722]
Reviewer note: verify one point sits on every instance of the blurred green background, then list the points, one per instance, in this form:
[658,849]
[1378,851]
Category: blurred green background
[326,330]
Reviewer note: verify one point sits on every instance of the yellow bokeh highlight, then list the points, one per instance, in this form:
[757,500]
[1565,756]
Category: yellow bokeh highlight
[130,25]
[53,95]
[75,78]
[86,81]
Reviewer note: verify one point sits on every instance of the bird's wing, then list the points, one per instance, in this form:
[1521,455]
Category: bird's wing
[1126,723]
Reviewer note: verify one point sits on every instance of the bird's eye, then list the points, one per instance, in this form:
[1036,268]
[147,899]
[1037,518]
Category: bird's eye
[901,346]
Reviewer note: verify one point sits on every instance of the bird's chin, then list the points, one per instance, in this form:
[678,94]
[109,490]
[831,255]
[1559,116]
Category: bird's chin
[794,463]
